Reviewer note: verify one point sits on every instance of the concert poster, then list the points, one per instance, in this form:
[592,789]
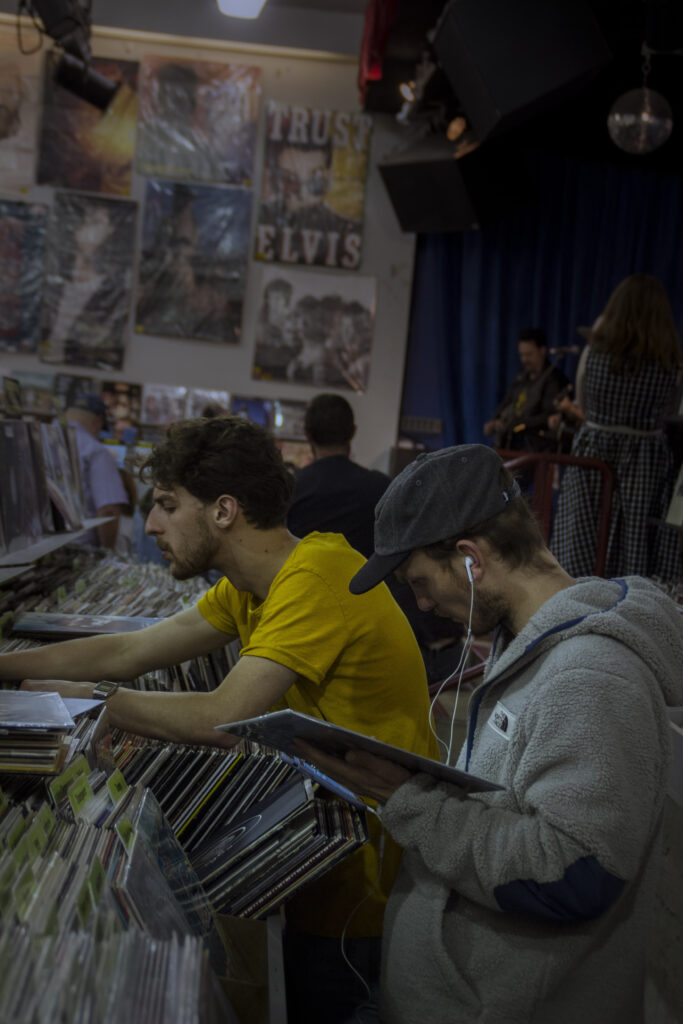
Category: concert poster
[19,105]
[201,401]
[256,410]
[313,191]
[36,390]
[23,228]
[315,328]
[163,404]
[197,120]
[123,400]
[68,386]
[195,242]
[88,281]
[81,147]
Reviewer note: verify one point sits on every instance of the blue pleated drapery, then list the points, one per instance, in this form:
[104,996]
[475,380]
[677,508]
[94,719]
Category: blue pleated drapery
[551,263]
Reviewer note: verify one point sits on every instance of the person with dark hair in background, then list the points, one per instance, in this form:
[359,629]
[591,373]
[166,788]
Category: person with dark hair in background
[220,500]
[104,493]
[521,419]
[530,903]
[334,493]
[630,383]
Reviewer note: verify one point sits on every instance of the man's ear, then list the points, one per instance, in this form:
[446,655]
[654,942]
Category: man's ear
[470,549]
[225,510]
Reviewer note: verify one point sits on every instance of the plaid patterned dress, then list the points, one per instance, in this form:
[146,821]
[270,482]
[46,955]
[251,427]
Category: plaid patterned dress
[644,475]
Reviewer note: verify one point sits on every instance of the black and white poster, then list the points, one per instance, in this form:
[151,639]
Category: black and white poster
[315,328]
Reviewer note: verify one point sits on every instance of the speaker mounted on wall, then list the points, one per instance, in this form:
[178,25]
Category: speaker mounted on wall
[507,60]
[431,191]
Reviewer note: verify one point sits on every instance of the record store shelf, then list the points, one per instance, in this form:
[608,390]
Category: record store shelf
[17,561]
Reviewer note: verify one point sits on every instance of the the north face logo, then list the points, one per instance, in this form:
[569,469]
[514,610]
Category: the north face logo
[501,720]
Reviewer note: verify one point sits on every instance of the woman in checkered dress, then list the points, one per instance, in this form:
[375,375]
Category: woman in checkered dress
[630,385]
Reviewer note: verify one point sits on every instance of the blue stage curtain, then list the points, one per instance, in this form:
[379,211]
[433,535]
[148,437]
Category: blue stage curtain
[550,263]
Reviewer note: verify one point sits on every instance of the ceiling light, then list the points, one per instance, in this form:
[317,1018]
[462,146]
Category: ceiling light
[241,8]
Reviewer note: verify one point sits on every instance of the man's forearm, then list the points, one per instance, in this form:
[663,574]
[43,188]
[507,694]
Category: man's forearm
[92,658]
[177,717]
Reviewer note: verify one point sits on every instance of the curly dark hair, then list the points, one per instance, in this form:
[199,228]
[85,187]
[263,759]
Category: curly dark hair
[224,455]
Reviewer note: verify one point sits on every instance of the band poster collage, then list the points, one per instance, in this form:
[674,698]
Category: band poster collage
[182,135]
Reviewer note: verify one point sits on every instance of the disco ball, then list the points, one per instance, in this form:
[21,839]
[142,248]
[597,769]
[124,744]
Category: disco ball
[640,121]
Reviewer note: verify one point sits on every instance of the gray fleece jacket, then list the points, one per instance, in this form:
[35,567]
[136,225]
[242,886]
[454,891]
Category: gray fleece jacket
[530,905]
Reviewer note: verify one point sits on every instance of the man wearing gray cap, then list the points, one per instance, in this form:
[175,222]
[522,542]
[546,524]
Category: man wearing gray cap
[529,904]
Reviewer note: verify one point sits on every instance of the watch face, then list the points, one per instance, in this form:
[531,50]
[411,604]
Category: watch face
[105,690]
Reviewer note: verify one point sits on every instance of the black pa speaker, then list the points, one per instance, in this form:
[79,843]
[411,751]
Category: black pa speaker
[506,60]
[431,191]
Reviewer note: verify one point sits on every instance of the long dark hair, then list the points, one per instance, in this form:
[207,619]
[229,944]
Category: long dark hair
[637,326]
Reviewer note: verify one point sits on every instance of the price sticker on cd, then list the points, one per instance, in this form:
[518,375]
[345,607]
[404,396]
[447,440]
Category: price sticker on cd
[60,786]
[96,880]
[79,794]
[126,833]
[117,786]
[25,888]
[84,903]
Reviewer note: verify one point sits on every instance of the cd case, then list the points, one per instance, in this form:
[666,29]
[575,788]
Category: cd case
[279,728]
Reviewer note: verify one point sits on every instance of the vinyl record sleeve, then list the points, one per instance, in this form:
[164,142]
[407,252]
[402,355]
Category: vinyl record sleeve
[279,728]
[48,625]
[23,709]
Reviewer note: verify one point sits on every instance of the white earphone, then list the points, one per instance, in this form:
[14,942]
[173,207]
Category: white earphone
[469,562]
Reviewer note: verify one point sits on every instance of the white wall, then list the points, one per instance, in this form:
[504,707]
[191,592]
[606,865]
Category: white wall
[311,80]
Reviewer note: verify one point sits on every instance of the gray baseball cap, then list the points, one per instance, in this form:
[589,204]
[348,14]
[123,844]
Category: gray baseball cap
[439,495]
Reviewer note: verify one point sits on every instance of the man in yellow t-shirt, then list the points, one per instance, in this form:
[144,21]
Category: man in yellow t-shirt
[221,493]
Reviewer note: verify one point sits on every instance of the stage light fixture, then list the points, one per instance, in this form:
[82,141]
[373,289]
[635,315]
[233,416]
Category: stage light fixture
[67,22]
[241,8]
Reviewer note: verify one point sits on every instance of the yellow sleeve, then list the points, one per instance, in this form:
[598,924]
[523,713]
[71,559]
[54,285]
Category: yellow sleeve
[302,626]
[216,608]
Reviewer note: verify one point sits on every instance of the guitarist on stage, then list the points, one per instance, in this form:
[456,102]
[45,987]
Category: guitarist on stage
[521,420]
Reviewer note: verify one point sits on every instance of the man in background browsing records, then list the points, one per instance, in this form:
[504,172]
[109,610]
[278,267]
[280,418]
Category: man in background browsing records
[529,904]
[334,493]
[221,493]
[103,491]
[521,419]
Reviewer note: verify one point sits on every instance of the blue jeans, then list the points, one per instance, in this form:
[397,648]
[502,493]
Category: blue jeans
[321,987]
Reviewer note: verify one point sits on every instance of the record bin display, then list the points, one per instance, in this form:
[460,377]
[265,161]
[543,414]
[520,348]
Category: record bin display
[115,871]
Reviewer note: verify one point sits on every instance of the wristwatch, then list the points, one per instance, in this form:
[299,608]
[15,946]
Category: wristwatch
[104,690]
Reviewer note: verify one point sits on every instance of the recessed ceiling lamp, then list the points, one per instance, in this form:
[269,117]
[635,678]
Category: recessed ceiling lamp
[241,8]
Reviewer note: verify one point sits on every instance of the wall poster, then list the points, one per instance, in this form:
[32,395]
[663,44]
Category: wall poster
[313,187]
[315,328]
[163,404]
[88,281]
[195,241]
[23,228]
[198,120]
[81,147]
[19,102]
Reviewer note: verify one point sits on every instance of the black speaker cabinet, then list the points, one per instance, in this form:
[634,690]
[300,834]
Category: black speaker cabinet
[508,59]
[431,191]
